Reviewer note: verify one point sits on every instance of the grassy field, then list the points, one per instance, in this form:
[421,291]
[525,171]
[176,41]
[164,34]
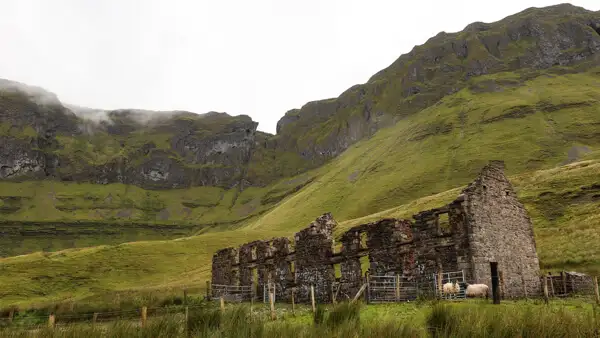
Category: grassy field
[51,216]
[566,318]
[566,234]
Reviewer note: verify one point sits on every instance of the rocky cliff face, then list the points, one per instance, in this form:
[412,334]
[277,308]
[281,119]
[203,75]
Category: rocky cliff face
[564,37]
[40,137]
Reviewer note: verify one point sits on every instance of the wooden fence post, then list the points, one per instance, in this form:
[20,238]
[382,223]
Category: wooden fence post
[595,279]
[368,284]
[333,294]
[439,283]
[11,314]
[51,320]
[184,296]
[551,284]
[222,303]
[564,281]
[360,291]
[312,298]
[546,289]
[94,318]
[187,316]
[293,301]
[271,296]
[144,315]
[397,287]
[251,300]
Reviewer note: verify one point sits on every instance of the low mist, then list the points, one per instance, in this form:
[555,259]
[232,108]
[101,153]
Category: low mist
[92,118]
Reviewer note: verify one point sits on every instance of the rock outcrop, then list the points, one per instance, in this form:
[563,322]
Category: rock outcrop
[563,36]
[40,137]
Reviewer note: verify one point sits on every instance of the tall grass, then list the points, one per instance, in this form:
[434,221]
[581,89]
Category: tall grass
[342,314]
[510,321]
[344,320]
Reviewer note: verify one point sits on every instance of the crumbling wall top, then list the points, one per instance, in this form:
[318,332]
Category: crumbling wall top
[493,171]
[225,252]
[324,224]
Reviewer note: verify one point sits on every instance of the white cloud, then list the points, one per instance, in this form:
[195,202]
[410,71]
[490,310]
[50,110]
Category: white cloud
[38,94]
[259,58]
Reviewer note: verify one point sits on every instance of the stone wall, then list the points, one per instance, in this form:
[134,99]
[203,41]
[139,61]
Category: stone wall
[314,250]
[388,243]
[264,267]
[500,231]
[442,246]
[283,277]
[485,223]
[223,264]
[351,270]
[247,255]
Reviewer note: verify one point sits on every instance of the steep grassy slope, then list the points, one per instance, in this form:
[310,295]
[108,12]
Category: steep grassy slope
[563,202]
[529,122]
[528,41]
[546,121]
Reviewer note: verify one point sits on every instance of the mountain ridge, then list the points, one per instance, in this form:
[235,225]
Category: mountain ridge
[423,125]
[531,40]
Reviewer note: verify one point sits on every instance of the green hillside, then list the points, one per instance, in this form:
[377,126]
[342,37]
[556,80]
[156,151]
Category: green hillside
[50,215]
[544,122]
[181,187]
[563,37]
[535,124]
[411,164]
[563,203]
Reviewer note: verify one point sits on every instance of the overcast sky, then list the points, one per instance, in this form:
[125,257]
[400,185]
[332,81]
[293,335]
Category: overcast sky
[254,57]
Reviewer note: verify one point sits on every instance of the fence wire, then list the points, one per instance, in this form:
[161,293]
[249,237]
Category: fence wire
[380,289]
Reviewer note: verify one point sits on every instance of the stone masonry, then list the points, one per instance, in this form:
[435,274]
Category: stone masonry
[314,250]
[282,277]
[223,272]
[486,223]
[500,230]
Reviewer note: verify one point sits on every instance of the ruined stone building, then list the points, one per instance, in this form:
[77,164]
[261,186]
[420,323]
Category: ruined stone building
[485,224]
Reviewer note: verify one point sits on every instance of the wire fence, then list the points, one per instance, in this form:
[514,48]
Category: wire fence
[569,284]
[379,289]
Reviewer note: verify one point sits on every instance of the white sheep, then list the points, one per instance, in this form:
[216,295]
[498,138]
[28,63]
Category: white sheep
[477,290]
[451,289]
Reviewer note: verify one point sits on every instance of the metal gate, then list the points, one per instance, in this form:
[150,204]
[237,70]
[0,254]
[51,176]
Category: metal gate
[390,288]
[269,287]
[232,293]
[386,289]
[442,278]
